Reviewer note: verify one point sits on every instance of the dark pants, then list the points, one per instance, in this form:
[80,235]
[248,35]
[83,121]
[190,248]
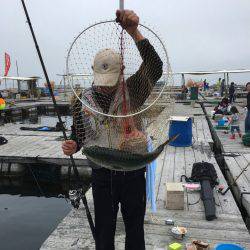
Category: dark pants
[232,98]
[109,189]
[235,127]
[222,92]
[247,122]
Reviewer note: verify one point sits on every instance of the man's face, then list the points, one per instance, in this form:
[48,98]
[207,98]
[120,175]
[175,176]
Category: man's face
[248,87]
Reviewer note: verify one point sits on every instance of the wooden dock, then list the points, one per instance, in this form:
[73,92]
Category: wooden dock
[34,147]
[74,233]
[237,157]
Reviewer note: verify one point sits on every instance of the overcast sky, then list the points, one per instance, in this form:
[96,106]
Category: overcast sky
[199,34]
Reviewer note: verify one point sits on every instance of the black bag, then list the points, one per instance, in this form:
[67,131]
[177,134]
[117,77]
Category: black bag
[3,140]
[204,171]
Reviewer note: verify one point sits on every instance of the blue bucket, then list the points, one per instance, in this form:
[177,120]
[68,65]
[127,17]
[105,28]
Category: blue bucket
[221,122]
[184,129]
[226,246]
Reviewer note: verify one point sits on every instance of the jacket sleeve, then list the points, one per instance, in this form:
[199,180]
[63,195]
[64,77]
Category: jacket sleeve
[142,82]
[77,129]
[73,137]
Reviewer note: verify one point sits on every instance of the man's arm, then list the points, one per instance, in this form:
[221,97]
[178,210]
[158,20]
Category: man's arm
[73,137]
[77,129]
[142,82]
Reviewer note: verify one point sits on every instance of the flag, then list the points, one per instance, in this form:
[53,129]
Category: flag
[7,64]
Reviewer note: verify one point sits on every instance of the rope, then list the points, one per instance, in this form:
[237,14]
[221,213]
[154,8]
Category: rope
[126,126]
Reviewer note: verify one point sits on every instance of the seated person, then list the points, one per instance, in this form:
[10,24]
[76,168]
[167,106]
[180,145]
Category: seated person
[222,107]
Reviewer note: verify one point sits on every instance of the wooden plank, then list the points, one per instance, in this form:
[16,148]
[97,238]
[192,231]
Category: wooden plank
[75,227]
[245,161]
[242,183]
[206,131]
[167,175]
[159,171]
[179,164]
[180,169]
[194,201]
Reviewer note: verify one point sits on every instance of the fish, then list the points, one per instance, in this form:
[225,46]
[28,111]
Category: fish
[120,160]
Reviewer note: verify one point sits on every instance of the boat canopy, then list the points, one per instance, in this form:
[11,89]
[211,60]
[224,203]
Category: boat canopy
[213,72]
[19,78]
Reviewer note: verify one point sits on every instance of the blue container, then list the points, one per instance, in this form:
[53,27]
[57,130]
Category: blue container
[226,246]
[184,129]
[221,122]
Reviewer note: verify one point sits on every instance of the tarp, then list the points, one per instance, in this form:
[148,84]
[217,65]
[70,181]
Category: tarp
[150,180]
[18,78]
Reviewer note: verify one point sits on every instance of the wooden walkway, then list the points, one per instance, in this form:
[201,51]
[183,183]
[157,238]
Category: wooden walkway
[238,158]
[19,105]
[74,233]
[34,147]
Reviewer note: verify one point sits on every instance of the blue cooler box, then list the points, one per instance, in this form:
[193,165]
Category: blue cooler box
[181,125]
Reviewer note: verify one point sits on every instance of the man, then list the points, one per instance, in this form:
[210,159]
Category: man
[217,85]
[232,93]
[247,120]
[222,87]
[110,187]
[184,91]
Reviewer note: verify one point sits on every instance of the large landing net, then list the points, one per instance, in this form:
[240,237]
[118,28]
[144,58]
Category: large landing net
[120,95]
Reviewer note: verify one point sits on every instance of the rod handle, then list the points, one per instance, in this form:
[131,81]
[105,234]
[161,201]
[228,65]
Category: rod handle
[121,6]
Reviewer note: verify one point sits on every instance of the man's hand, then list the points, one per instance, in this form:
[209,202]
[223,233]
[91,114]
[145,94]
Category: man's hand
[69,147]
[129,21]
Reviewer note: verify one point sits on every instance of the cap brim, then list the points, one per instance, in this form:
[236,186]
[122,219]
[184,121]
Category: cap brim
[106,80]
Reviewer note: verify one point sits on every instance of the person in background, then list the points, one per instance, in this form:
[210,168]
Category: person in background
[217,85]
[184,91]
[222,107]
[222,87]
[234,122]
[205,85]
[232,93]
[247,120]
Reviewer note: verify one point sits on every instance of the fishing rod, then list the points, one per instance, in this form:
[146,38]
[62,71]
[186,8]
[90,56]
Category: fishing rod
[121,5]
[78,194]
[234,181]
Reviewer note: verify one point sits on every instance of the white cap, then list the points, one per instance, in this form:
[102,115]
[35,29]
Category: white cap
[107,68]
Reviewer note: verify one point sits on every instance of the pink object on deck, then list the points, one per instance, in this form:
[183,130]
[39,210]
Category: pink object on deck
[192,186]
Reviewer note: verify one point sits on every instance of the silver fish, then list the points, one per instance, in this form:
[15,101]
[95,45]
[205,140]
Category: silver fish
[120,160]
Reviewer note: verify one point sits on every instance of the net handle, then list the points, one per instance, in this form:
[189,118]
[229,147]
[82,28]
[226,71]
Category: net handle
[121,5]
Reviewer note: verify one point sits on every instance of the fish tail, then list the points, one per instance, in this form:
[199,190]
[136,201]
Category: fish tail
[170,139]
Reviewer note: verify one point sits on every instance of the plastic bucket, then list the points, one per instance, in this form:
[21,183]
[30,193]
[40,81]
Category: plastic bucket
[194,93]
[184,129]
[221,122]
[226,246]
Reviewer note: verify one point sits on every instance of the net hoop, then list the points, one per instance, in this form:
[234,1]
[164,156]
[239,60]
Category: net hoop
[70,76]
